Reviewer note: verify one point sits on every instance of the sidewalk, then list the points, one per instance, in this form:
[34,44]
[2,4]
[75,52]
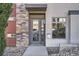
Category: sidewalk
[36,51]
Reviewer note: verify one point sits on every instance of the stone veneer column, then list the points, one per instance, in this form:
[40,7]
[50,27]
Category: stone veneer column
[22,25]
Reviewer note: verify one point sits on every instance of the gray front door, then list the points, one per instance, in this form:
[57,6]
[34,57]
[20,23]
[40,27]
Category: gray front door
[37,31]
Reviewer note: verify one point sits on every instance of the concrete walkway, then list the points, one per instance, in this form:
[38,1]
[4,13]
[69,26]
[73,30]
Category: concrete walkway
[36,51]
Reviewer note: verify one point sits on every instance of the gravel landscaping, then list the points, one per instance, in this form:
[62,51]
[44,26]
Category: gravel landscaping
[52,51]
[66,51]
[14,51]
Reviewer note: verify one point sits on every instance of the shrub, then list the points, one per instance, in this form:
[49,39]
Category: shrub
[5,10]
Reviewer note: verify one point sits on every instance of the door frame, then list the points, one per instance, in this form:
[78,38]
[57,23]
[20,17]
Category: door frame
[30,31]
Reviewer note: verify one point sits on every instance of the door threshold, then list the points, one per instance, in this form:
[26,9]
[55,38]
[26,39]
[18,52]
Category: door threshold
[36,45]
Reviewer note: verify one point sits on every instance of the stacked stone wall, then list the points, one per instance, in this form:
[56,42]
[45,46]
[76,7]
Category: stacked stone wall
[22,25]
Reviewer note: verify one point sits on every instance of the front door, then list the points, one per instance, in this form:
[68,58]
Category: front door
[38,31]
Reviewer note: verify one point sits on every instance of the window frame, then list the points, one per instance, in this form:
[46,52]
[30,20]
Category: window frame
[60,22]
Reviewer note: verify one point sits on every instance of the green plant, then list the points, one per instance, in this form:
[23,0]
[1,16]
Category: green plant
[5,10]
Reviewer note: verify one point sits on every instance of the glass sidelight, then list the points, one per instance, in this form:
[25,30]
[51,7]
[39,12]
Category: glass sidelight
[42,27]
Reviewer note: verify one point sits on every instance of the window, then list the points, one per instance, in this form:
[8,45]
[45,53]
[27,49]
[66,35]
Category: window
[58,27]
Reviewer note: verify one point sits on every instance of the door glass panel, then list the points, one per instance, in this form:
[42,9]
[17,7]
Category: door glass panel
[35,30]
[35,24]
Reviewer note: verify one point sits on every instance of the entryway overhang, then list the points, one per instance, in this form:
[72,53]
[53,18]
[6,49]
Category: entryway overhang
[36,10]
[34,7]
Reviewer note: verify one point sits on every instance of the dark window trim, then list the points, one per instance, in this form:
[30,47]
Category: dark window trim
[73,12]
[60,22]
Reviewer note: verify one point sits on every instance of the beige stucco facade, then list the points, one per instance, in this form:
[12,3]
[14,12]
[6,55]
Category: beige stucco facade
[52,10]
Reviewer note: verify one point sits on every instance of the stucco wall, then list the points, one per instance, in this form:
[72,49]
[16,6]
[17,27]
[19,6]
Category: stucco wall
[58,10]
